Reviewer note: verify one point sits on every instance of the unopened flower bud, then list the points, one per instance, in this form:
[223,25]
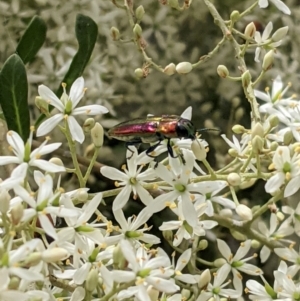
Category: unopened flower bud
[82,195]
[239,113]
[222,71]
[57,161]
[250,31]
[203,244]
[173,3]
[246,78]
[255,244]
[233,152]
[257,130]
[234,179]
[118,258]
[42,104]
[14,283]
[184,68]
[198,150]
[234,16]
[274,146]
[236,101]
[238,129]
[170,69]
[273,120]
[244,212]
[279,34]
[137,30]
[139,12]
[288,137]
[33,259]
[168,235]
[227,213]
[4,200]
[280,216]
[152,293]
[115,33]
[268,60]
[91,280]
[97,134]
[219,262]
[205,278]
[55,254]
[238,235]
[17,213]
[185,294]
[88,124]
[257,144]
[139,73]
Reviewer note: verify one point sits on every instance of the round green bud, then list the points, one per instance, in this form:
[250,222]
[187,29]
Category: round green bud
[250,31]
[115,33]
[139,12]
[184,67]
[268,60]
[234,16]
[279,34]
[246,78]
[222,71]
[137,30]
[234,179]
[97,134]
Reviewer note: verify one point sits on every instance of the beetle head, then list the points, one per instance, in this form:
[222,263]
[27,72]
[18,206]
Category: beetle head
[185,129]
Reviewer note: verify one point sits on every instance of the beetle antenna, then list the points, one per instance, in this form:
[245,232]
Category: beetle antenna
[207,129]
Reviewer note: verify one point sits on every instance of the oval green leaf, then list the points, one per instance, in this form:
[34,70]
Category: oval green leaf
[32,39]
[13,96]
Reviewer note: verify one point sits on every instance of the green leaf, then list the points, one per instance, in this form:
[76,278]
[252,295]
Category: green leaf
[32,39]
[86,33]
[13,96]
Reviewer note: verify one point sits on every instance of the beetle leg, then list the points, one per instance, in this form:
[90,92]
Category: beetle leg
[152,148]
[171,152]
[134,143]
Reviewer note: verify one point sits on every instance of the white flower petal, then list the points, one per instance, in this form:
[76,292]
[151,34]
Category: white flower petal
[49,124]
[48,166]
[75,129]
[76,91]
[50,97]
[90,110]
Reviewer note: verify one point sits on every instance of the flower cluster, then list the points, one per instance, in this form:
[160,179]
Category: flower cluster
[173,227]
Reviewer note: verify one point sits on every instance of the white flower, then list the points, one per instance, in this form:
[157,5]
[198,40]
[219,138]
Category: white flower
[216,290]
[79,229]
[294,216]
[146,271]
[264,41]
[7,294]
[23,154]
[180,186]
[278,3]
[182,261]
[237,264]
[130,229]
[184,231]
[273,233]
[208,194]
[15,259]
[132,180]
[274,99]
[42,207]
[67,108]
[290,290]
[289,254]
[287,169]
